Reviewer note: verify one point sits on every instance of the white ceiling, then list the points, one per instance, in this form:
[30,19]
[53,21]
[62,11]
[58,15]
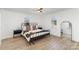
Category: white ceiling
[33,10]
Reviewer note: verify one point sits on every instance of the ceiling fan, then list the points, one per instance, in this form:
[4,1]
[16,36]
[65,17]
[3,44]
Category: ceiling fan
[40,10]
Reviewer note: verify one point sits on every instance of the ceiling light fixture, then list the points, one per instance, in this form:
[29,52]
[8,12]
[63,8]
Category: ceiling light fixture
[40,10]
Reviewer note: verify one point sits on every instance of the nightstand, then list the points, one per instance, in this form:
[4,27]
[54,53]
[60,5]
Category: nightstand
[17,32]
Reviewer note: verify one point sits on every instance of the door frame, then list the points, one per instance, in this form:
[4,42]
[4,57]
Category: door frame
[70,24]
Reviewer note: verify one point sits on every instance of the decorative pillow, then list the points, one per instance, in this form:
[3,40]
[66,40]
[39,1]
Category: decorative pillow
[26,27]
[33,26]
[40,28]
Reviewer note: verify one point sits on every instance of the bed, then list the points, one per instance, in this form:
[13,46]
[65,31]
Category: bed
[33,35]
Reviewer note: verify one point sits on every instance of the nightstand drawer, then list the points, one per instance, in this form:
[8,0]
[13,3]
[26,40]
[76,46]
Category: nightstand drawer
[15,32]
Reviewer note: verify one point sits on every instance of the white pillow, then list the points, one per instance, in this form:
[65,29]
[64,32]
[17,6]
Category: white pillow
[24,28]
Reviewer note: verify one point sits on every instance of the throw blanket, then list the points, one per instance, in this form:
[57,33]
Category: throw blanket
[33,33]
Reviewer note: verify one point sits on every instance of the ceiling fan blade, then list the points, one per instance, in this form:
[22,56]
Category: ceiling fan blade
[41,9]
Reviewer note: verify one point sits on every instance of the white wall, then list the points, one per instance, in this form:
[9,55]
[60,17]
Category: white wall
[12,20]
[71,15]
[0,28]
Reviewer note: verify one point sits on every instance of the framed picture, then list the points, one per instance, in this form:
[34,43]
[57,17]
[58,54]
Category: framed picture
[54,22]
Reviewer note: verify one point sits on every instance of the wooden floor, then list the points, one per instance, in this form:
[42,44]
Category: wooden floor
[46,43]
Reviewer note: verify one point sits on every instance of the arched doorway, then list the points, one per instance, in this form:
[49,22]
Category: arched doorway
[66,30]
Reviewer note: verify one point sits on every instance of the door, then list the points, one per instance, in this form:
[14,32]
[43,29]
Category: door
[66,30]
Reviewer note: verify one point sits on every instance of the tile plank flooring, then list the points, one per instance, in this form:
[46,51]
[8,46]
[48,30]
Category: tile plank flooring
[46,43]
